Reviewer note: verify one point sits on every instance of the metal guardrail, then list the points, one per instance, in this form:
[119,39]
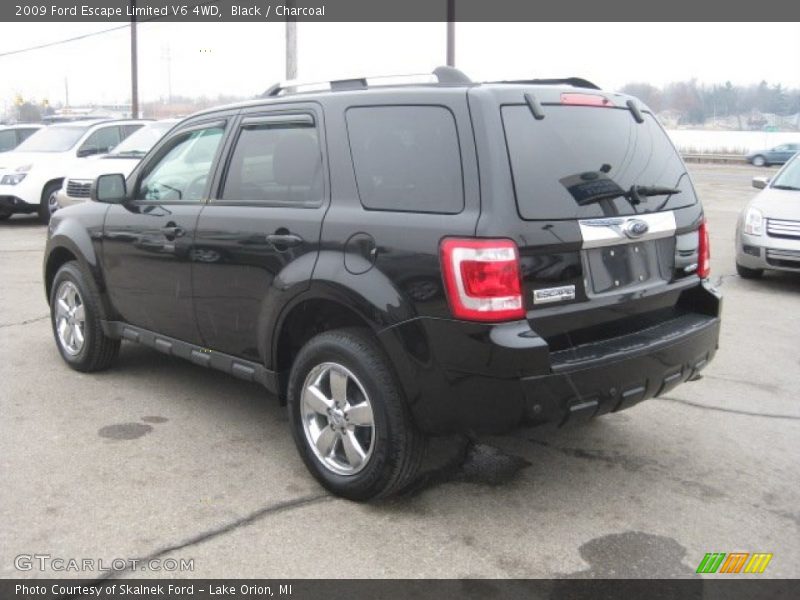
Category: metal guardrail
[715,158]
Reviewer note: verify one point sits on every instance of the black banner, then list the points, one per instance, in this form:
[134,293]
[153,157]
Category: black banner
[399,10]
[378,589]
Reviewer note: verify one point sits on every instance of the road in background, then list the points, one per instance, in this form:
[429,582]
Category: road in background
[160,458]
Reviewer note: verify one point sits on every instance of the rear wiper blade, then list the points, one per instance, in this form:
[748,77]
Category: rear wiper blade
[635,194]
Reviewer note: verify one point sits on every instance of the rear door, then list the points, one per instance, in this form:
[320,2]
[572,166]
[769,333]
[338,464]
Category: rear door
[786,152]
[595,246]
[257,238]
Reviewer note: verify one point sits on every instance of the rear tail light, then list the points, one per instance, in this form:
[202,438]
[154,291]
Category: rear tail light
[703,252]
[482,279]
[585,100]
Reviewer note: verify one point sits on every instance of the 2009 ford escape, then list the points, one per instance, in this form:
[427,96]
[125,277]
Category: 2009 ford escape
[399,261]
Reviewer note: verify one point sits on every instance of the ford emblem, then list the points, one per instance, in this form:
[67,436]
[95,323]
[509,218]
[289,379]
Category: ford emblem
[635,228]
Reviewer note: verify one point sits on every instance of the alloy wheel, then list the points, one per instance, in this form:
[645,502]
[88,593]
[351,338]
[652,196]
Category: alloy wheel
[338,420]
[52,202]
[70,318]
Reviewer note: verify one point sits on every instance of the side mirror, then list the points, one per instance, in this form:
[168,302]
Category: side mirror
[760,182]
[87,151]
[109,188]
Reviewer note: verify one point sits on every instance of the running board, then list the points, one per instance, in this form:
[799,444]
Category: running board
[238,367]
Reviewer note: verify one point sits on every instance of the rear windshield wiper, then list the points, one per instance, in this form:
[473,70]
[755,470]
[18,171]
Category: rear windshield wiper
[635,194]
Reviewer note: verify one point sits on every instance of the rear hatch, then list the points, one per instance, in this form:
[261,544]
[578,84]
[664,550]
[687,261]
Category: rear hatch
[604,213]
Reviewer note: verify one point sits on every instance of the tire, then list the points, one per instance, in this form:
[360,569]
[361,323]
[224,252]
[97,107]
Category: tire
[760,161]
[47,203]
[747,273]
[391,446]
[73,289]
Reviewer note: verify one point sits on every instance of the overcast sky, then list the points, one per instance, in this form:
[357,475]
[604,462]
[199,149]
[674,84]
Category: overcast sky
[244,59]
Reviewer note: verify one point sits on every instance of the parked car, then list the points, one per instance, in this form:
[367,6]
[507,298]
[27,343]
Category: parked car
[768,229]
[122,159]
[396,262]
[774,156]
[31,175]
[12,136]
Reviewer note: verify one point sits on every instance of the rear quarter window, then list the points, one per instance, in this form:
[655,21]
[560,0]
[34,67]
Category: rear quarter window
[406,158]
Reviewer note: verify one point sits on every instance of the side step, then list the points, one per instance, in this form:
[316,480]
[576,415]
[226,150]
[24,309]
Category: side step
[238,367]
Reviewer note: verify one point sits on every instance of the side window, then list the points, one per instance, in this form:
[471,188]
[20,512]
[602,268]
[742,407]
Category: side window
[276,163]
[100,142]
[406,158]
[181,174]
[8,140]
[24,134]
[129,129]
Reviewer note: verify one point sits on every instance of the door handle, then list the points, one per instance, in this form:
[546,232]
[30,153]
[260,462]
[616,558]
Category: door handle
[284,240]
[172,231]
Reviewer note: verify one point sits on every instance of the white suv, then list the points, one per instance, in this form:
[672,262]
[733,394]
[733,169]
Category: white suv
[78,182]
[31,175]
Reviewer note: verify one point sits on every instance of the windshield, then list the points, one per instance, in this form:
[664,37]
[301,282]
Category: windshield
[140,142]
[788,178]
[587,162]
[56,138]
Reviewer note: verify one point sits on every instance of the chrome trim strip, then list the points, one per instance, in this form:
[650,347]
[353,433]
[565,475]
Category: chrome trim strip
[610,231]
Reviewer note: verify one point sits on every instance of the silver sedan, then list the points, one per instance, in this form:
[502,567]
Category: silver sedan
[768,230]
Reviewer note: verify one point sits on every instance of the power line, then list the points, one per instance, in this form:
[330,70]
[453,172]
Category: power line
[66,41]
[95,33]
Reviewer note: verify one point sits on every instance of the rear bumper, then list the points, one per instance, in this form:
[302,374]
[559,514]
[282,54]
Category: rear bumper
[610,376]
[513,378]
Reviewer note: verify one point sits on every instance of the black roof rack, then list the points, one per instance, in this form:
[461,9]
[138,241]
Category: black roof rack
[442,75]
[573,81]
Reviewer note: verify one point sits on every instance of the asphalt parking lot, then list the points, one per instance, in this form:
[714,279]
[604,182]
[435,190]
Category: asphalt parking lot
[160,458]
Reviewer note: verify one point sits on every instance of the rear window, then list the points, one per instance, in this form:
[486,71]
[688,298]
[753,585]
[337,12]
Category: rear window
[563,164]
[406,158]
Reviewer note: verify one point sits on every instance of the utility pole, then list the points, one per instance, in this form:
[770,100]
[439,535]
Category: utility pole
[66,92]
[291,45]
[166,54]
[134,66]
[451,33]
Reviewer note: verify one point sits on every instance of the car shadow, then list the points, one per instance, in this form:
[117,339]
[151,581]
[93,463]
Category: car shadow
[777,281]
[22,222]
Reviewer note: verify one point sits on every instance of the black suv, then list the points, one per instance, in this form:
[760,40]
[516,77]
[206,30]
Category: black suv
[398,261]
